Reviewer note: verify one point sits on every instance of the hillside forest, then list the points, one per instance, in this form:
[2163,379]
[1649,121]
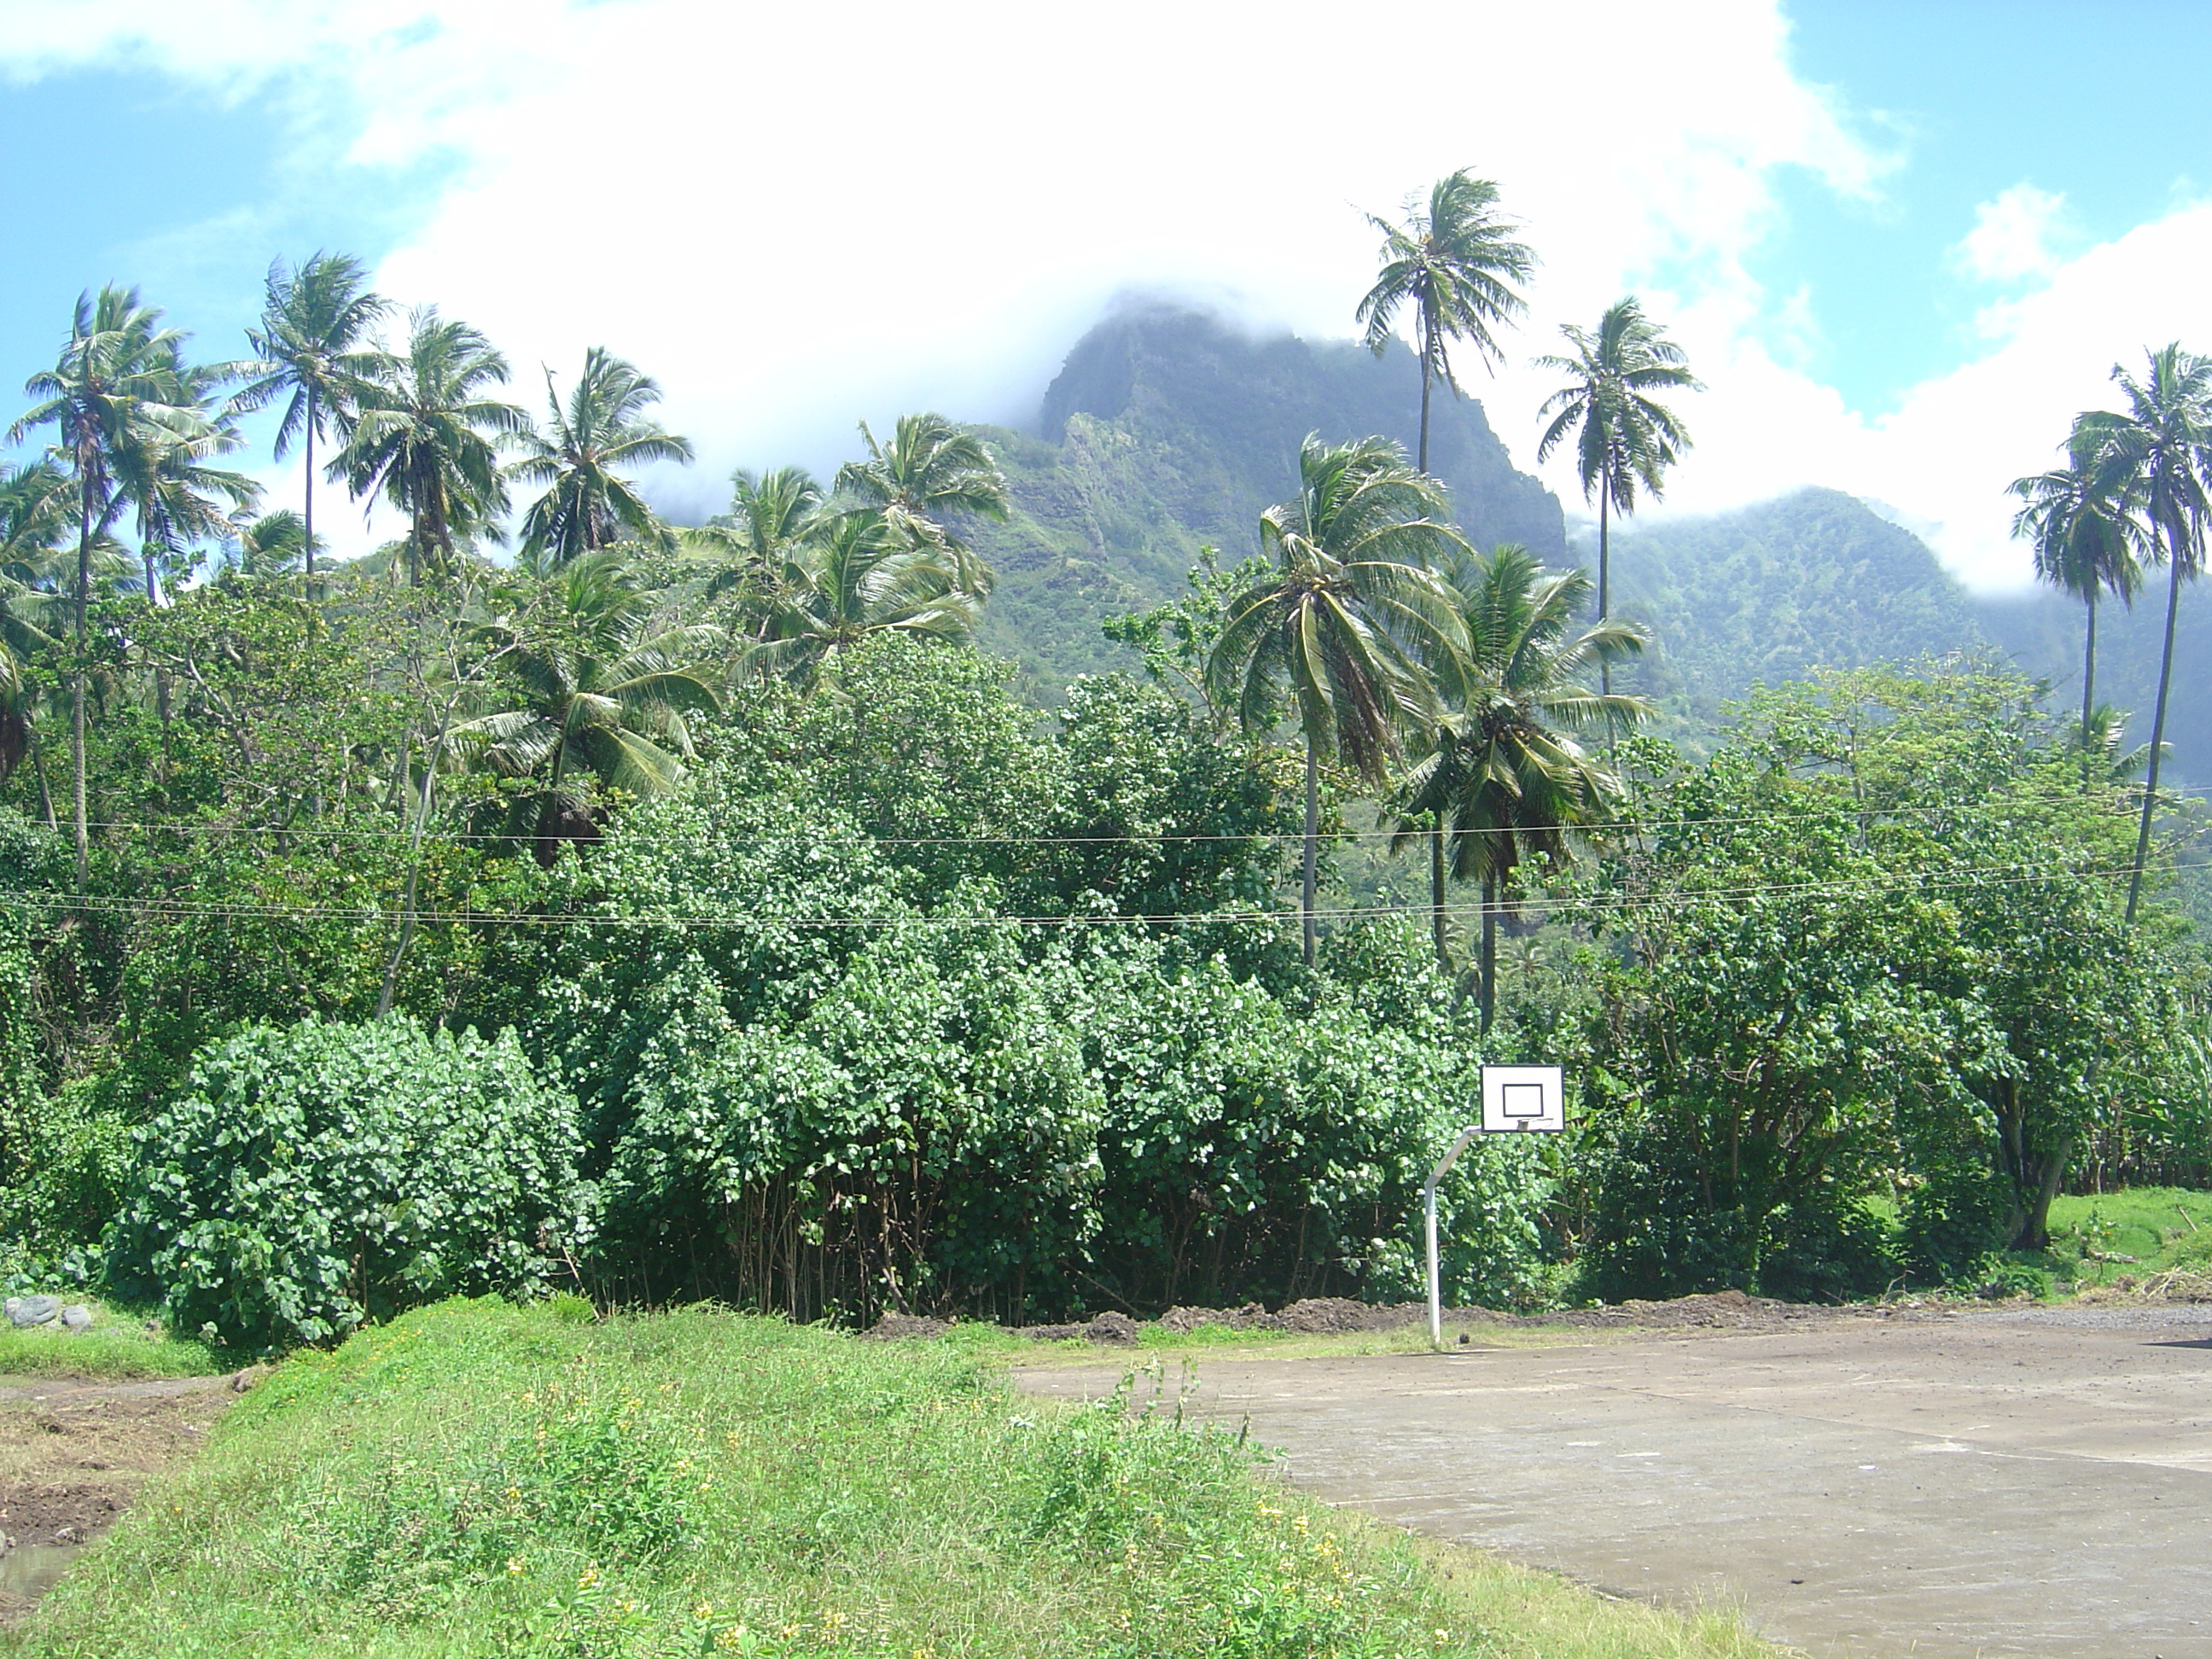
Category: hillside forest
[561,898]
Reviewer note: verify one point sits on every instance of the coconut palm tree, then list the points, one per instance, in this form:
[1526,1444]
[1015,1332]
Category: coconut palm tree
[2157,457]
[426,436]
[118,383]
[314,348]
[1455,263]
[34,507]
[855,577]
[930,472]
[166,473]
[1341,629]
[598,693]
[1623,434]
[2085,540]
[274,544]
[602,432]
[1503,778]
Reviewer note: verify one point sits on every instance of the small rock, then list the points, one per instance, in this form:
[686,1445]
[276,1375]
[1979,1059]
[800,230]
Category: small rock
[248,1379]
[77,1316]
[1117,1329]
[27,1310]
[6,1543]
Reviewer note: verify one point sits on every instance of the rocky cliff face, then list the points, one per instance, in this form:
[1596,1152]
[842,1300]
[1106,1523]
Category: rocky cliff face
[1166,431]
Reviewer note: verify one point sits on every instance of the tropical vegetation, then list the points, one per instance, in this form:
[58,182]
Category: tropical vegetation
[665,912]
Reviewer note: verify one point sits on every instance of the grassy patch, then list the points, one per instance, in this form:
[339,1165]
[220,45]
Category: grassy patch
[117,1348]
[480,1480]
[2160,1227]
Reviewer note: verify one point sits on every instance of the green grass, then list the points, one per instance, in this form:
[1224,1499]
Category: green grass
[481,1480]
[117,1348]
[2161,1227]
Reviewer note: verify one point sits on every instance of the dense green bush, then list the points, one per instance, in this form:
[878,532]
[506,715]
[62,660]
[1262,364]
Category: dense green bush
[314,1176]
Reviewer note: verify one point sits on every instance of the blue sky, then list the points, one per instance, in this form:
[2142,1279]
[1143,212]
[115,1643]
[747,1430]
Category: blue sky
[1799,190]
[1977,97]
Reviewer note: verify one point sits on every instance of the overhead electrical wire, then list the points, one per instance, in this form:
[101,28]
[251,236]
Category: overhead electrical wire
[1926,881]
[312,831]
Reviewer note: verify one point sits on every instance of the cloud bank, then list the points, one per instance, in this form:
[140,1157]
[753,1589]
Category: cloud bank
[798,216]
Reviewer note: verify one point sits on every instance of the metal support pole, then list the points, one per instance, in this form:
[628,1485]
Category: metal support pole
[1429,1206]
[1436,1287]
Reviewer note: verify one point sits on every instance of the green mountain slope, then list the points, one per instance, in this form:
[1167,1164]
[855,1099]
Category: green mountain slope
[1764,593]
[2042,631]
[1167,430]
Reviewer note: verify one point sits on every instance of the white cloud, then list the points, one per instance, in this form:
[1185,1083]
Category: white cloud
[1948,451]
[796,215]
[2015,237]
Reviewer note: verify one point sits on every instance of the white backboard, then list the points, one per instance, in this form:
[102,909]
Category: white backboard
[1517,1099]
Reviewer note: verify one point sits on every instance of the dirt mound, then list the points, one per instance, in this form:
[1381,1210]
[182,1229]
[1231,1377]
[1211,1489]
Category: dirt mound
[899,1328]
[2178,1285]
[72,1455]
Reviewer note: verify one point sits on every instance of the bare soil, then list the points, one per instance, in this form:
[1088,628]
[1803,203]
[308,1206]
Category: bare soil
[73,1454]
[1728,1310]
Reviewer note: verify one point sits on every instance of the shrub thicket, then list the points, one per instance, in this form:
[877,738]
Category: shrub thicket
[316,1176]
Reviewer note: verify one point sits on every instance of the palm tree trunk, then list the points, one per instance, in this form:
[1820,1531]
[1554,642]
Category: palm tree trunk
[1437,894]
[2088,686]
[2157,725]
[307,495]
[414,873]
[146,558]
[1489,951]
[1604,598]
[1313,839]
[1423,461]
[548,815]
[39,770]
[78,834]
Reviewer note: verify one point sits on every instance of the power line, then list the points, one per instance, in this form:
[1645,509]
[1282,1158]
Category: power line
[1840,811]
[1926,881]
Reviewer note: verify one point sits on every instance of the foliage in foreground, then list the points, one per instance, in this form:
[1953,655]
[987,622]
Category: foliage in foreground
[317,1177]
[477,1479]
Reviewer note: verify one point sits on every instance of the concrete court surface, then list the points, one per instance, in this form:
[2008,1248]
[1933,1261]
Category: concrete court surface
[2033,1481]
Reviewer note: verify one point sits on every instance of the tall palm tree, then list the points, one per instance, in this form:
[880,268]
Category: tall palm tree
[748,548]
[598,693]
[1503,778]
[426,435]
[178,495]
[1456,263]
[1342,627]
[855,578]
[582,457]
[118,383]
[2157,457]
[2085,541]
[34,505]
[314,348]
[930,472]
[1623,434]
